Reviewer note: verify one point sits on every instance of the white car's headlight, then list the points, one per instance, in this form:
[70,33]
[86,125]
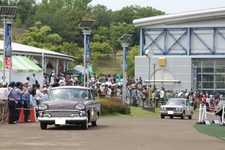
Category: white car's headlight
[80,106]
[162,108]
[43,106]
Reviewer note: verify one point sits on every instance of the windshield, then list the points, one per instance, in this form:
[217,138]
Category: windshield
[176,102]
[67,93]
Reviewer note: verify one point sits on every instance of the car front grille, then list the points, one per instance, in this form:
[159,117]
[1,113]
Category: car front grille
[62,114]
[171,109]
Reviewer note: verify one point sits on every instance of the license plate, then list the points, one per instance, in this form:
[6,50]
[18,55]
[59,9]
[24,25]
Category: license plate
[60,121]
[170,112]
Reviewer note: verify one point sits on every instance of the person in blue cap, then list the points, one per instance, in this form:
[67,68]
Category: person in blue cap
[12,100]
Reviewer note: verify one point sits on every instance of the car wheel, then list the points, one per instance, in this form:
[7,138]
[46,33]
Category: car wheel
[43,125]
[94,123]
[162,116]
[171,117]
[182,116]
[57,125]
[190,117]
[85,125]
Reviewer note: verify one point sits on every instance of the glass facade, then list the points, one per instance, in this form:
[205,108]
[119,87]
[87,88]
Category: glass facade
[211,76]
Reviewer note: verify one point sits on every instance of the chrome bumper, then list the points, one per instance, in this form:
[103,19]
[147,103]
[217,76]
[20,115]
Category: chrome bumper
[68,120]
[175,113]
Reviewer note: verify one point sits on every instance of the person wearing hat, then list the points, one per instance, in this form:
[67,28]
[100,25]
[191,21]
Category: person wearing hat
[3,103]
[11,94]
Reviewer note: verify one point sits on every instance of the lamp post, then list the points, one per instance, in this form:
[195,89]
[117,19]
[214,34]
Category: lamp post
[86,25]
[123,40]
[149,53]
[154,64]
[7,12]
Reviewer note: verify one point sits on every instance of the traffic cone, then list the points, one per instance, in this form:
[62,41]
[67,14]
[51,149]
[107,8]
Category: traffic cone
[8,118]
[32,117]
[21,116]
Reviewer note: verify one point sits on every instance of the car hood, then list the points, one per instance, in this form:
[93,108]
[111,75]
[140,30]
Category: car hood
[171,106]
[63,104]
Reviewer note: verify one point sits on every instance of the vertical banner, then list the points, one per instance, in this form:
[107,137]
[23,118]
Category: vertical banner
[43,61]
[90,69]
[195,73]
[8,47]
[87,48]
[7,62]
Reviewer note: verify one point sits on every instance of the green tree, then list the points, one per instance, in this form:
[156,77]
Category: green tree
[38,36]
[130,60]
[116,31]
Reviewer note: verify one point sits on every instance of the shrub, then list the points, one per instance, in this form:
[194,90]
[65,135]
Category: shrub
[110,106]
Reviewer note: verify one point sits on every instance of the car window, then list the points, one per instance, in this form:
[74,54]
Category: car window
[176,102]
[67,93]
[90,95]
[93,94]
[187,103]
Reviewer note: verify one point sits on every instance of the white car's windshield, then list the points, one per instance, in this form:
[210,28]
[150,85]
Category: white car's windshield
[176,102]
[67,93]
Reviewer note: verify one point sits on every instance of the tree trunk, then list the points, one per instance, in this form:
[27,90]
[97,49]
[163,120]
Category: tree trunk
[114,62]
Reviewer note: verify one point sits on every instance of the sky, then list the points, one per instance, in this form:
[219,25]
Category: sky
[167,6]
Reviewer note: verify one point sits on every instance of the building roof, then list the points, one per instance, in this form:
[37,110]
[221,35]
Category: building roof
[181,17]
[20,49]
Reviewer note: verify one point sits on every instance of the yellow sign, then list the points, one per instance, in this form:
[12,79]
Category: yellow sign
[162,61]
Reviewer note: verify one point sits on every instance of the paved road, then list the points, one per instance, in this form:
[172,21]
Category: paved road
[111,134]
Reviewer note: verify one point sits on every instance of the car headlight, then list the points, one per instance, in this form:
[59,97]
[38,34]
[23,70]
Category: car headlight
[43,106]
[162,108]
[80,106]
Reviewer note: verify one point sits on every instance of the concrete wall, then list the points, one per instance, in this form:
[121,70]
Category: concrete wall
[179,66]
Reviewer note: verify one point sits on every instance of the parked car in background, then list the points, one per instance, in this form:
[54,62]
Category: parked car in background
[177,107]
[69,105]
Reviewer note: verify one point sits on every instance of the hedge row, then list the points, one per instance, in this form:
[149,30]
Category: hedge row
[112,106]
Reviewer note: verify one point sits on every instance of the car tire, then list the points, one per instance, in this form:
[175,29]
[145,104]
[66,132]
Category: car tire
[43,125]
[84,125]
[57,125]
[171,117]
[182,116]
[162,116]
[190,117]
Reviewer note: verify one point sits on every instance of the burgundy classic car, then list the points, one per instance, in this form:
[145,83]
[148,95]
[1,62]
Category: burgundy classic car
[69,105]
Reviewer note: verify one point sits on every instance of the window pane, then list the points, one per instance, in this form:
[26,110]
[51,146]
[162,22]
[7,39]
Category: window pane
[199,77]
[220,85]
[220,68]
[207,77]
[208,66]
[207,85]
[220,77]
[199,86]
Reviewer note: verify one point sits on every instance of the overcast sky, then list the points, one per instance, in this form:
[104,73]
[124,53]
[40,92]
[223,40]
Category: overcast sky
[168,6]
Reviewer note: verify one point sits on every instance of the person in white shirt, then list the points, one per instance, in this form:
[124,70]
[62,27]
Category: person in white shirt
[109,92]
[53,79]
[33,79]
[162,96]
[39,95]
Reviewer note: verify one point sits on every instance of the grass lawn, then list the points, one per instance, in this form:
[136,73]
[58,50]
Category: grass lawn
[136,112]
[214,130]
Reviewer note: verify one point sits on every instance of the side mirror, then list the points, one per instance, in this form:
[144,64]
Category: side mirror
[86,98]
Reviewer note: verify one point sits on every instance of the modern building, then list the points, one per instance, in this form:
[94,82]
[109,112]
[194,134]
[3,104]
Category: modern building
[189,50]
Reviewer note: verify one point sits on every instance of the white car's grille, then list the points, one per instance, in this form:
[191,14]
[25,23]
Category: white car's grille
[173,109]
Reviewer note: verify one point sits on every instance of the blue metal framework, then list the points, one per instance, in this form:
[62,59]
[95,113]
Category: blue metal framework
[165,32]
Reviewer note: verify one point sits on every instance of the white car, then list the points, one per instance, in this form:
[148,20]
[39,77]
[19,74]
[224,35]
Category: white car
[177,107]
